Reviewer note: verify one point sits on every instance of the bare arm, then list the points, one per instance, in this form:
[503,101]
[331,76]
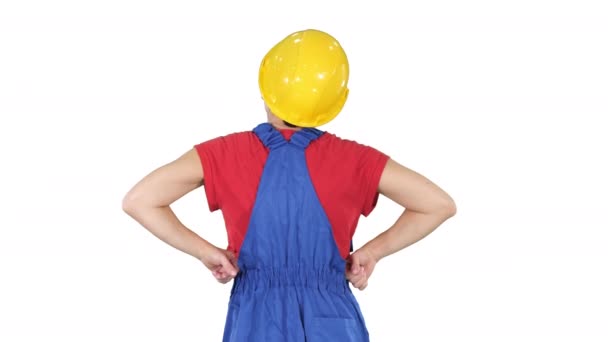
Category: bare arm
[427,207]
[148,202]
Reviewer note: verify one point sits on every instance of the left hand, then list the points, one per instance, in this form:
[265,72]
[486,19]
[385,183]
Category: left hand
[221,262]
[220,273]
[359,268]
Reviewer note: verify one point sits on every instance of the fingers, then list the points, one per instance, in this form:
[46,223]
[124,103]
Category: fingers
[224,280]
[355,272]
[227,269]
[221,275]
[229,264]
[223,265]
[354,263]
[359,280]
[361,284]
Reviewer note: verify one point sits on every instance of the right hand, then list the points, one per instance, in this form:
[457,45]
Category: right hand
[221,262]
[360,266]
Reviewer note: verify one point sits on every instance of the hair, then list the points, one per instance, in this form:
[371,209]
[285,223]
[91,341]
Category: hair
[290,125]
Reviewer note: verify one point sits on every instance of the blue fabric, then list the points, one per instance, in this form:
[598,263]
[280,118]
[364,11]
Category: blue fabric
[291,286]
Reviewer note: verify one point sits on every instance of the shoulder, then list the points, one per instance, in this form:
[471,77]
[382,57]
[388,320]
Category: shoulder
[236,141]
[348,146]
[229,138]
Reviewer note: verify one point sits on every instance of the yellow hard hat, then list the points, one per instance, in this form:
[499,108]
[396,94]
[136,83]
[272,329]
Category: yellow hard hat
[304,78]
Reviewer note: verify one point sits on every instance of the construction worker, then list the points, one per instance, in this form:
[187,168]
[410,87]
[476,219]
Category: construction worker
[291,196]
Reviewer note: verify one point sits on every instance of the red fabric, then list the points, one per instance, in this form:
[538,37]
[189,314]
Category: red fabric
[345,175]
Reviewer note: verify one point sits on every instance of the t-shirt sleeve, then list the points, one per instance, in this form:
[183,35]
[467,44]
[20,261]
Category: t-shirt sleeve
[371,164]
[212,155]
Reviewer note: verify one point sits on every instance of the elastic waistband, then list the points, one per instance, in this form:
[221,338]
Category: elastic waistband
[325,278]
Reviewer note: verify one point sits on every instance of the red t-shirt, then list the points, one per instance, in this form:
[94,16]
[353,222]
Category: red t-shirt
[345,175]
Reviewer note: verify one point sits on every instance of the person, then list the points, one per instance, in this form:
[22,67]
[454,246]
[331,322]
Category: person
[291,196]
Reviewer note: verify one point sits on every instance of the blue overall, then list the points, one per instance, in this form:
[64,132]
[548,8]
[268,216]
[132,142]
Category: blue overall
[291,286]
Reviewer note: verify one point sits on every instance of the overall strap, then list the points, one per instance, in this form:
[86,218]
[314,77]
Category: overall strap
[270,137]
[305,136]
[273,139]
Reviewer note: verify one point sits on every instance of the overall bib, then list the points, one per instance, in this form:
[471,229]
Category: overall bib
[292,285]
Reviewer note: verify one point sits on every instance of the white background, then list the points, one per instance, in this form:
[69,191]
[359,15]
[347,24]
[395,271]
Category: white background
[500,103]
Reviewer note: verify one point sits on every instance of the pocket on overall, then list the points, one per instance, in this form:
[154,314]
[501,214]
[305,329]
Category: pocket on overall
[323,329]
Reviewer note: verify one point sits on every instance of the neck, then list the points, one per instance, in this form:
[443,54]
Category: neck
[280,125]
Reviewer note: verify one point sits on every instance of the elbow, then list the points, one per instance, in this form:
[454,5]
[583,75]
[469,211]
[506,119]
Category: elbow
[451,210]
[443,208]
[130,204]
[440,210]
[127,205]
[448,208]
